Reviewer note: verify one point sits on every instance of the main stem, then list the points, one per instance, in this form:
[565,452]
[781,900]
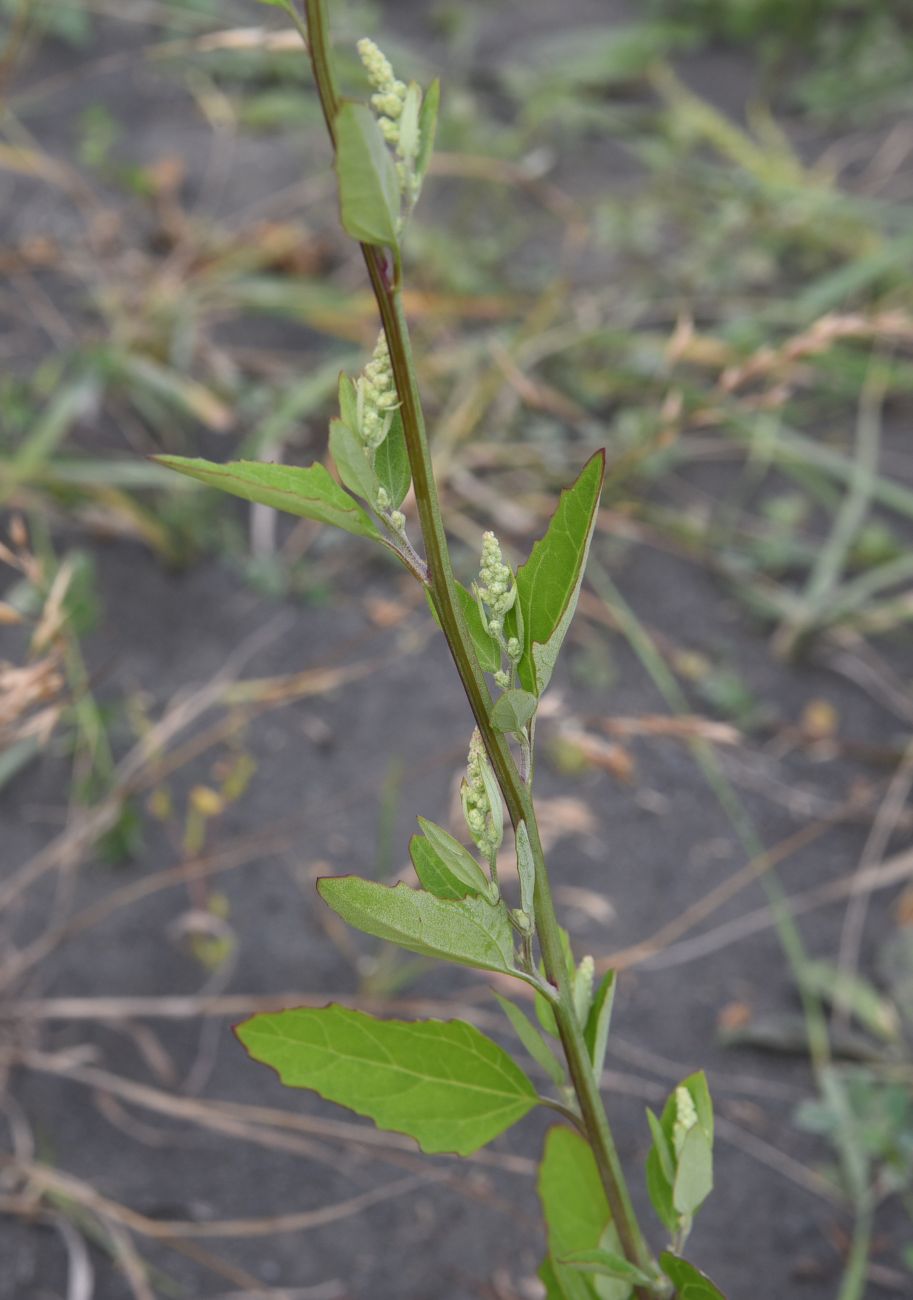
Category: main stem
[516,793]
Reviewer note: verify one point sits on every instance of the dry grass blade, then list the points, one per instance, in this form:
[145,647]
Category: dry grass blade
[47,1179]
[870,880]
[80,1275]
[885,824]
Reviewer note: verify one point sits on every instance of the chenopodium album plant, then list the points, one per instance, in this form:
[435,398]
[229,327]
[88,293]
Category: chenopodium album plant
[445,1083]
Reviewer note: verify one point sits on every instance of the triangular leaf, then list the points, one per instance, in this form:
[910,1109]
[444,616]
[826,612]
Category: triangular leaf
[349,457]
[689,1282]
[442,1082]
[391,462]
[548,584]
[513,710]
[596,1030]
[369,195]
[309,492]
[470,931]
[454,859]
[529,1036]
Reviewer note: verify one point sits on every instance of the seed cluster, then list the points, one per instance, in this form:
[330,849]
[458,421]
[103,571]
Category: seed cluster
[398,126]
[485,826]
[389,93]
[377,398]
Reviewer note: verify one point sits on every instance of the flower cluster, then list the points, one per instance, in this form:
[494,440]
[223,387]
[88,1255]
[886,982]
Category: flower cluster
[496,583]
[389,94]
[482,800]
[376,394]
[396,107]
[497,590]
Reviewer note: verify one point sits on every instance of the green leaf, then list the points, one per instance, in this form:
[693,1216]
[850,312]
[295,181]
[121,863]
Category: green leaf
[576,1212]
[309,492]
[470,931]
[432,872]
[427,125]
[529,1036]
[596,1030]
[694,1172]
[348,401]
[661,1175]
[689,1282]
[700,1094]
[546,1016]
[391,462]
[549,1280]
[680,1180]
[369,197]
[608,1263]
[526,870]
[440,1081]
[348,453]
[486,647]
[454,861]
[548,584]
[513,710]
[407,146]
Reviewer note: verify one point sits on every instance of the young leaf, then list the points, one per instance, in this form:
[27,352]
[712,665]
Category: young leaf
[546,1016]
[309,492]
[548,584]
[549,1280]
[454,859]
[485,646]
[661,1175]
[427,125]
[441,1082]
[689,1282]
[348,454]
[348,401]
[607,1263]
[529,1036]
[391,462]
[526,870]
[407,146]
[470,931]
[576,1213]
[433,873]
[700,1094]
[369,196]
[694,1172]
[513,710]
[596,1030]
